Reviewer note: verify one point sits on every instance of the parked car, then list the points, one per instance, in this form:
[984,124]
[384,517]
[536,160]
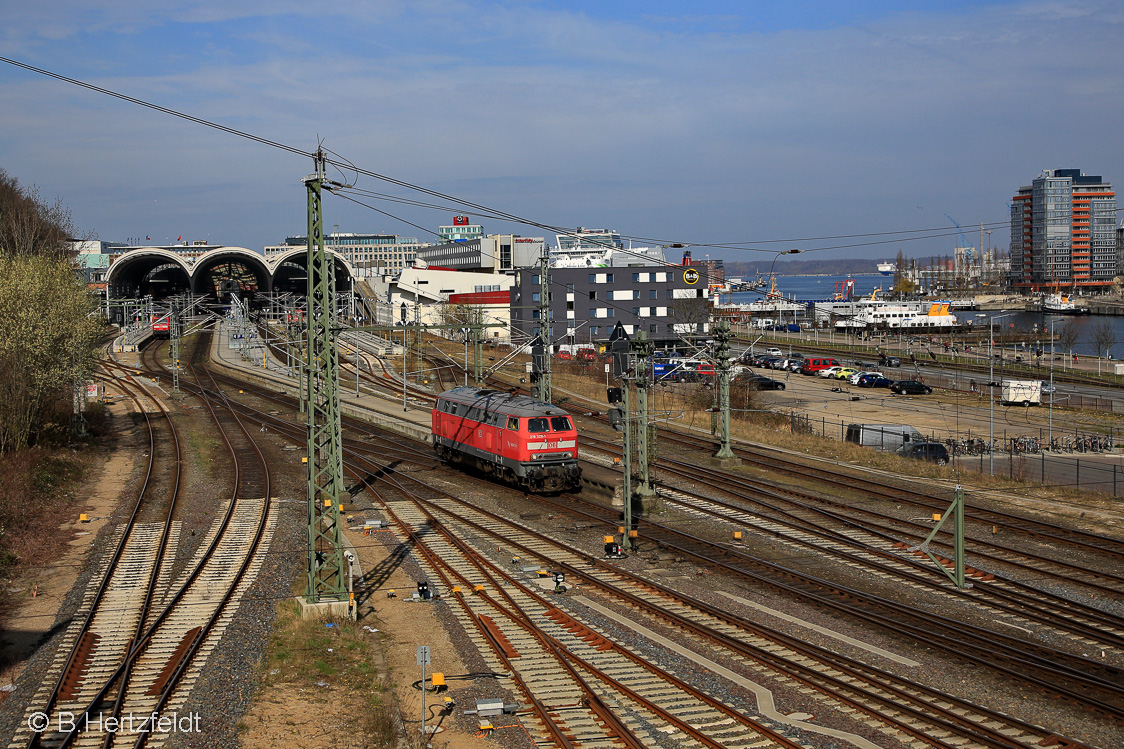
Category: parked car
[910,387]
[757,382]
[845,373]
[934,452]
[774,362]
[815,365]
[830,372]
[874,381]
[858,375]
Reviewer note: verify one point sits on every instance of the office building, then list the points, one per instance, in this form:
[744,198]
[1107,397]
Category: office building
[1063,233]
[460,231]
[370,254]
[495,252]
[668,303]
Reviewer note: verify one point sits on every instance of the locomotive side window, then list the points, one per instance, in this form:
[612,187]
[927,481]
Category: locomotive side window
[537,425]
[513,423]
[560,424]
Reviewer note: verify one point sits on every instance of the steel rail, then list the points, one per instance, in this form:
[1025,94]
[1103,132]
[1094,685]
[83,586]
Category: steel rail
[130,524]
[806,675]
[175,599]
[514,612]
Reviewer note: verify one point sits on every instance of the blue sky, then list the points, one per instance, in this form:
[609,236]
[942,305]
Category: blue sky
[703,123]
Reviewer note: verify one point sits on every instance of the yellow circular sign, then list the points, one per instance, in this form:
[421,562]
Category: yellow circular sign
[691,276]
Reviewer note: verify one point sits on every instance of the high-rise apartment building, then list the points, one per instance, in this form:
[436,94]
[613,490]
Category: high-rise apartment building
[1063,232]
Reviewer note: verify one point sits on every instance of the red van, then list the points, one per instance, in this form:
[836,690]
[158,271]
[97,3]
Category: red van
[814,364]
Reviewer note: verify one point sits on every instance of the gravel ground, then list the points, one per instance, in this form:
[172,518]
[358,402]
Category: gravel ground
[937,671]
[231,677]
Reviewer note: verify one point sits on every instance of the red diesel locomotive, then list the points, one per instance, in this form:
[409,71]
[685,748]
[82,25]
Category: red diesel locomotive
[512,437]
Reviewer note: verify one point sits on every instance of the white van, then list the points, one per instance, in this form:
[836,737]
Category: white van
[882,437]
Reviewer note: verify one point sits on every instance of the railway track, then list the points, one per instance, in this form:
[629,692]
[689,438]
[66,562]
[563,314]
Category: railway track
[162,625]
[875,546]
[843,685]
[926,721]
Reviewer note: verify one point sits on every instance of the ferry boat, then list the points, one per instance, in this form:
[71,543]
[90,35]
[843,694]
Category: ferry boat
[902,317]
[887,269]
[1061,304]
[601,248]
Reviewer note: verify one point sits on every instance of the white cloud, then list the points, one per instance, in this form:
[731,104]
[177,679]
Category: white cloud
[648,124]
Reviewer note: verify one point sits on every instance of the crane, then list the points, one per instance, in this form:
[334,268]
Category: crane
[969,250]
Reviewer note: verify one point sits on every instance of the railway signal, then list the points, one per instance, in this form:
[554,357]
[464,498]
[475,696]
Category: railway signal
[642,349]
[722,357]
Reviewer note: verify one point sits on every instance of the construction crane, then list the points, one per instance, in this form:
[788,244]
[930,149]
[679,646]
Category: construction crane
[969,250]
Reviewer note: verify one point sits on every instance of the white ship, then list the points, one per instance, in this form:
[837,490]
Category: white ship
[601,248]
[1061,304]
[902,317]
[887,269]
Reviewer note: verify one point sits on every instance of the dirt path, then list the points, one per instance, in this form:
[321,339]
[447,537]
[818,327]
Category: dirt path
[41,588]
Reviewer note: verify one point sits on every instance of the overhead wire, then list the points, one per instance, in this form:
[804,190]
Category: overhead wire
[342,163]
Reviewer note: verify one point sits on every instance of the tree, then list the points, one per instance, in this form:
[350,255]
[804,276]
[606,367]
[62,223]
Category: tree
[459,314]
[1068,336]
[1104,337]
[903,286]
[47,328]
[28,226]
[693,312]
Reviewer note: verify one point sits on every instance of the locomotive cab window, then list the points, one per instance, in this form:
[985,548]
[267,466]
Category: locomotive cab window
[513,423]
[538,425]
[560,424]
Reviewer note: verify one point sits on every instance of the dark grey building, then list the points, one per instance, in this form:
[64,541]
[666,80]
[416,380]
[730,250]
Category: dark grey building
[666,302]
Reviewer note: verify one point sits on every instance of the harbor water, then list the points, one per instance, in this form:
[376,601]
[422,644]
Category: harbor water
[1030,324]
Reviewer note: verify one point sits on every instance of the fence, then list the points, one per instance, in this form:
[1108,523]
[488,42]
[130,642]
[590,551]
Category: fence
[1018,456]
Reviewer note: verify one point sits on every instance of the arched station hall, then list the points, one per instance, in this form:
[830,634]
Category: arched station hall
[216,273]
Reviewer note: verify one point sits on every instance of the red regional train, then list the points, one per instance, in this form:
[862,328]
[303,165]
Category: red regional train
[161,327]
[512,437]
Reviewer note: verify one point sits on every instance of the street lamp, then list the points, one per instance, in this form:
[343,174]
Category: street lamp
[1051,433]
[991,389]
[793,251]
